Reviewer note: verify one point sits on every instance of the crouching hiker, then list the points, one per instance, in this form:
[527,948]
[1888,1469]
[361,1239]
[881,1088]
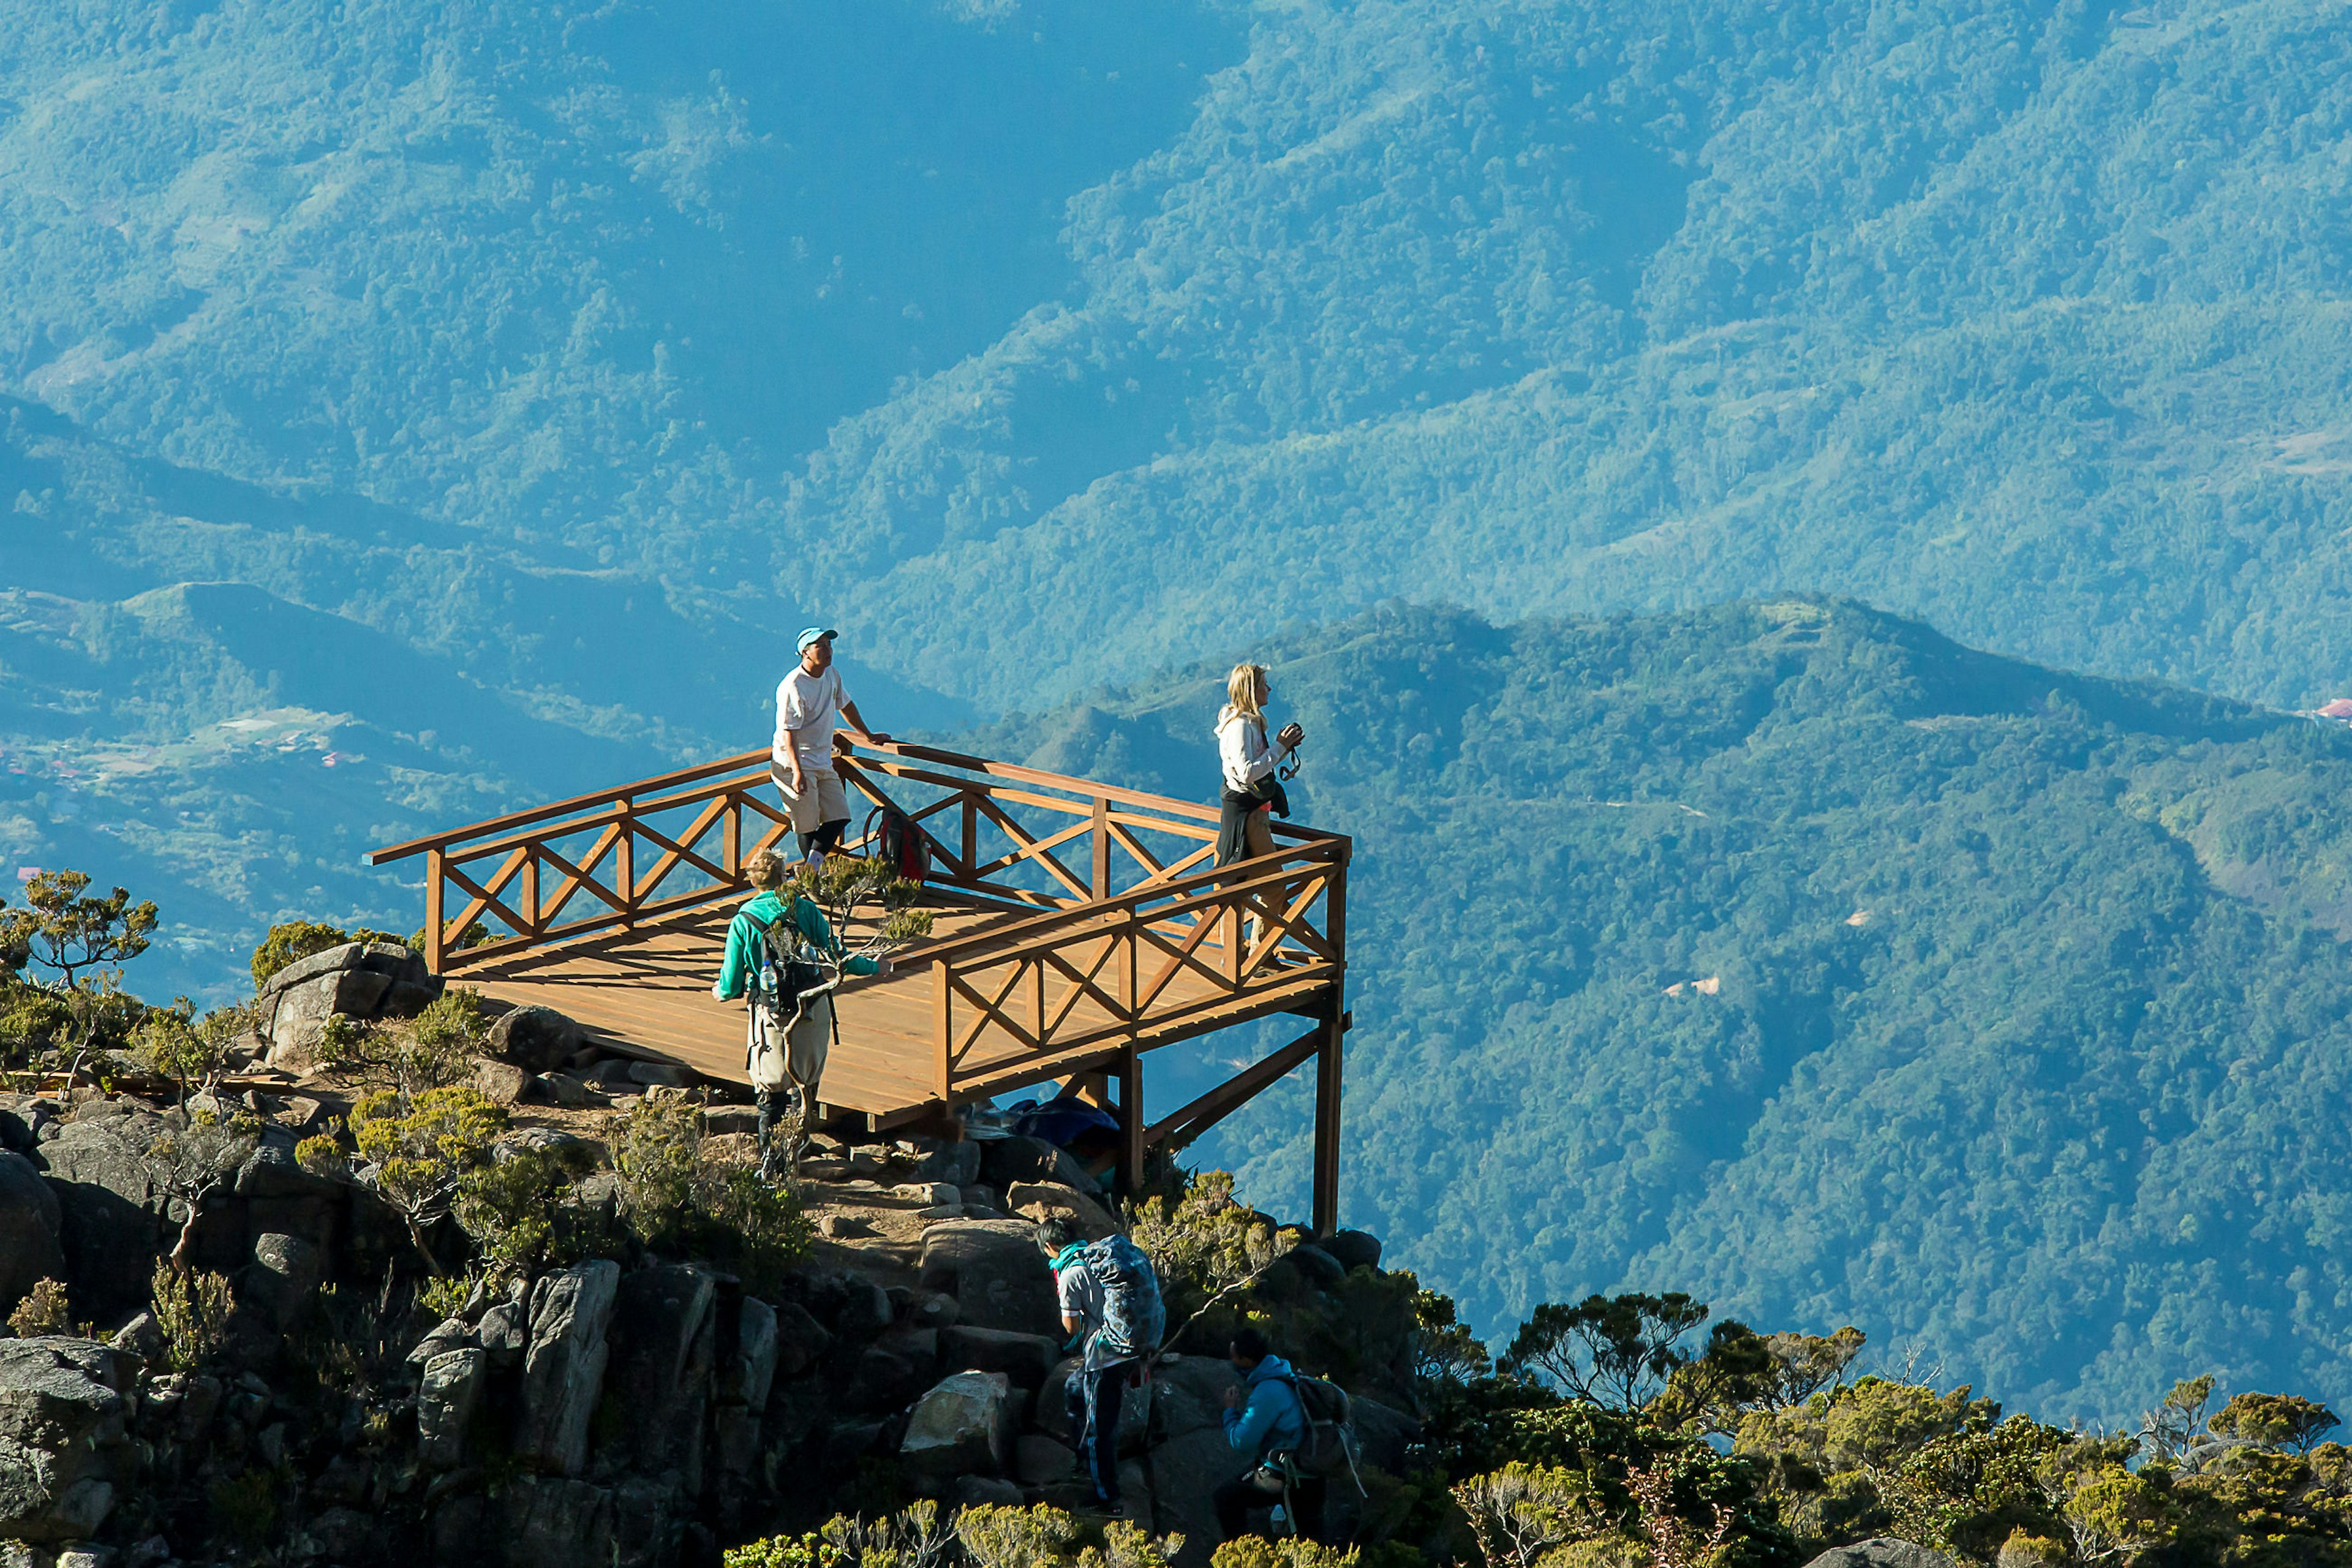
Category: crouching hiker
[1113,1313]
[782,952]
[1266,1425]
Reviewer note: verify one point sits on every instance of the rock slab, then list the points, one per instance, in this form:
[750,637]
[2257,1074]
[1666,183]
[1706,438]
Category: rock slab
[1882,1551]
[29,1252]
[64,1453]
[962,1426]
[563,1370]
[993,1269]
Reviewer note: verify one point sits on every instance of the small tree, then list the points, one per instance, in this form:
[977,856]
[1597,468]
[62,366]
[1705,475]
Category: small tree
[62,929]
[1618,1352]
[197,1164]
[78,937]
[2283,1421]
[192,1051]
[2175,1433]
[853,892]
[420,1150]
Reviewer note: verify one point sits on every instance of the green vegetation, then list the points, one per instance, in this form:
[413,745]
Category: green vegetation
[44,1310]
[347,428]
[680,1201]
[986,1537]
[1793,955]
[193,1310]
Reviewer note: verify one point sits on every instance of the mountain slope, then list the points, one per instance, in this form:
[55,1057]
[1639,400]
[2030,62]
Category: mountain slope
[1033,347]
[1793,955]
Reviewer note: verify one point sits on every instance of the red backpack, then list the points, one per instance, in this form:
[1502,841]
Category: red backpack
[902,845]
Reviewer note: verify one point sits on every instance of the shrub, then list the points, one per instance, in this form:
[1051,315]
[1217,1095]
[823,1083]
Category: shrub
[173,1043]
[516,1210]
[193,1310]
[421,1148]
[290,943]
[2023,1550]
[42,1311]
[1251,1552]
[677,1202]
[997,1537]
[434,1050]
[244,1506]
[452,1023]
[1204,1245]
[786,1552]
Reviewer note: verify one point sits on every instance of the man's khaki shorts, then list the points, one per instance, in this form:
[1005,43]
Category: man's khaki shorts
[823,801]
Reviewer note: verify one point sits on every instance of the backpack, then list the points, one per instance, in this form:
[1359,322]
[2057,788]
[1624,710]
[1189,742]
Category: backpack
[902,846]
[1134,1317]
[782,976]
[1328,1447]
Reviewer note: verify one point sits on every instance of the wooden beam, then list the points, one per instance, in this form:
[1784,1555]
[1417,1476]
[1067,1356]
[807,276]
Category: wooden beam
[1102,848]
[1230,1096]
[1094,1087]
[1327,1118]
[1130,1122]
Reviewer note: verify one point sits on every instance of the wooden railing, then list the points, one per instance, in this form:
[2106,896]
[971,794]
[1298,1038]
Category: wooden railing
[1069,992]
[1131,938]
[592,864]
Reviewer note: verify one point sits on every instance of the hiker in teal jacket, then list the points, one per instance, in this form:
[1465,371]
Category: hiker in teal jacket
[1265,1423]
[797,1061]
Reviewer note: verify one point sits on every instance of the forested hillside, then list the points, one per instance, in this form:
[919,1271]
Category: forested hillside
[1791,953]
[416,409]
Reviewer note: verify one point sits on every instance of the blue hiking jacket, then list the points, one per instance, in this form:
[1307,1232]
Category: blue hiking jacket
[1272,1419]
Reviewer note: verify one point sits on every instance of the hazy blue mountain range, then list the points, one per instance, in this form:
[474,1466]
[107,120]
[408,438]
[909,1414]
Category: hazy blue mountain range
[478,394]
[1793,955]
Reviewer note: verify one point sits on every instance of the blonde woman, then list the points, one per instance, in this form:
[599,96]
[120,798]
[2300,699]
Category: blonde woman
[789,1035]
[1251,764]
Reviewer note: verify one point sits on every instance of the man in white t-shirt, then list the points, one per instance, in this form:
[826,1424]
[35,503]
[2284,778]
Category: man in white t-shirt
[810,706]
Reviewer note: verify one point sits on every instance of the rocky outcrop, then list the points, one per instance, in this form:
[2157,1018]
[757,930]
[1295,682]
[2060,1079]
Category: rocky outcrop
[452,1385]
[29,1252]
[64,1454]
[112,1215]
[996,1274]
[563,1370]
[1354,1248]
[1006,1160]
[363,980]
[1041,1200]
[662,1333]
[1026,1359]
[536,1040]
[964,1426]
[1882,1551]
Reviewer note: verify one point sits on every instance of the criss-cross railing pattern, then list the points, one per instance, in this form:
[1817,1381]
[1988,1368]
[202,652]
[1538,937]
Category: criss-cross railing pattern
[591,864]
[1128,936]
[1067,993]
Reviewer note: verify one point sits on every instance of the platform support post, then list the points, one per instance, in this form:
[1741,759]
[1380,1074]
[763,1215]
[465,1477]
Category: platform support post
[434,915]
[1131,1122]
[1327,1118]
[1102,848]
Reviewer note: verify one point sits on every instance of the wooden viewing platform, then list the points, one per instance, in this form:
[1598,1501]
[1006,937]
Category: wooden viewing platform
[1078,928]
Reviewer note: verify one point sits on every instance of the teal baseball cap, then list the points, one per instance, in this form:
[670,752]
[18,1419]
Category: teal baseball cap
[812,634]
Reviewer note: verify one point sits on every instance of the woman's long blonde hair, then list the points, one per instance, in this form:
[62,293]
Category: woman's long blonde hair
[1241,690]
